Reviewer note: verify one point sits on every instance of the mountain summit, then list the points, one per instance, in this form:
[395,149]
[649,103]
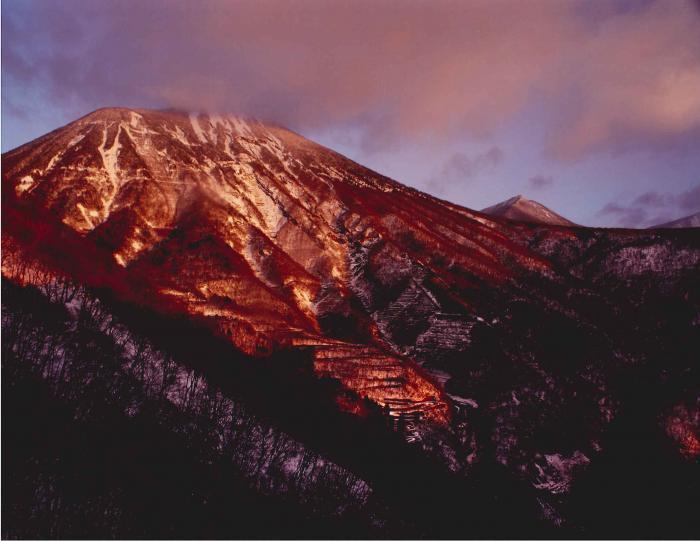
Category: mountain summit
[526,210]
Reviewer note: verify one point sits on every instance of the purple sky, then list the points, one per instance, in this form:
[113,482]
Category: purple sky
[592,108]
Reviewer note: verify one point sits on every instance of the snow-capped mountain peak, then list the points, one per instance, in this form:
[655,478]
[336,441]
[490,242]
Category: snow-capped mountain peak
[526,210]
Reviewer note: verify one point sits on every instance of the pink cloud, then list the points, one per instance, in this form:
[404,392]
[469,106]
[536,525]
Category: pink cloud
[662,206]
[397,70]
[460,165]
[636,82]
[539,182]
[460,168]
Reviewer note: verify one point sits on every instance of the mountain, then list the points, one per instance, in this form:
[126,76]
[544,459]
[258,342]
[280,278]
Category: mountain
[526,210]
[502,364]
[688,221]
[272,239]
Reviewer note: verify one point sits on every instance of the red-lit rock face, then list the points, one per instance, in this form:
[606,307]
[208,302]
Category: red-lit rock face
[269,236]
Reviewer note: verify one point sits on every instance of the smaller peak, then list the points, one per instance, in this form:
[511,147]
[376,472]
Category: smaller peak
[526,210]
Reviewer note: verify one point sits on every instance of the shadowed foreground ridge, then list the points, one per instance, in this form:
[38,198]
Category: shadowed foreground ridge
[496,376]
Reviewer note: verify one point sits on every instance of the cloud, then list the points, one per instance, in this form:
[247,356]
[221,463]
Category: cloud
[690,199]
[625,216]
[638,84]
[662,206]
[654,199]
[460,168]
[611,78]
[459,165]
[539,182]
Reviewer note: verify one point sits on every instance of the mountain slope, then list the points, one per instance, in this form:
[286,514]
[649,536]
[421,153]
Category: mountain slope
[525,210]
[267,236]
[688,221]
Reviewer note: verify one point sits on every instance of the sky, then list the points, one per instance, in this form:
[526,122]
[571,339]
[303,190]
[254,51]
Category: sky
[589,107]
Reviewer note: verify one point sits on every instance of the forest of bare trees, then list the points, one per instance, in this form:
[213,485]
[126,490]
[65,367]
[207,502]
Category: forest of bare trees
[65,348]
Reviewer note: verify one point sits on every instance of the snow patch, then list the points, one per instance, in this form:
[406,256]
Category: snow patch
[86,215]
[197,128]
[240,126]
[134,119]
[464,401]
[217,120]
[180,135]
[76,139]
[24,184]
[556,474]
[304,298]
[109,159]
[53,161]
